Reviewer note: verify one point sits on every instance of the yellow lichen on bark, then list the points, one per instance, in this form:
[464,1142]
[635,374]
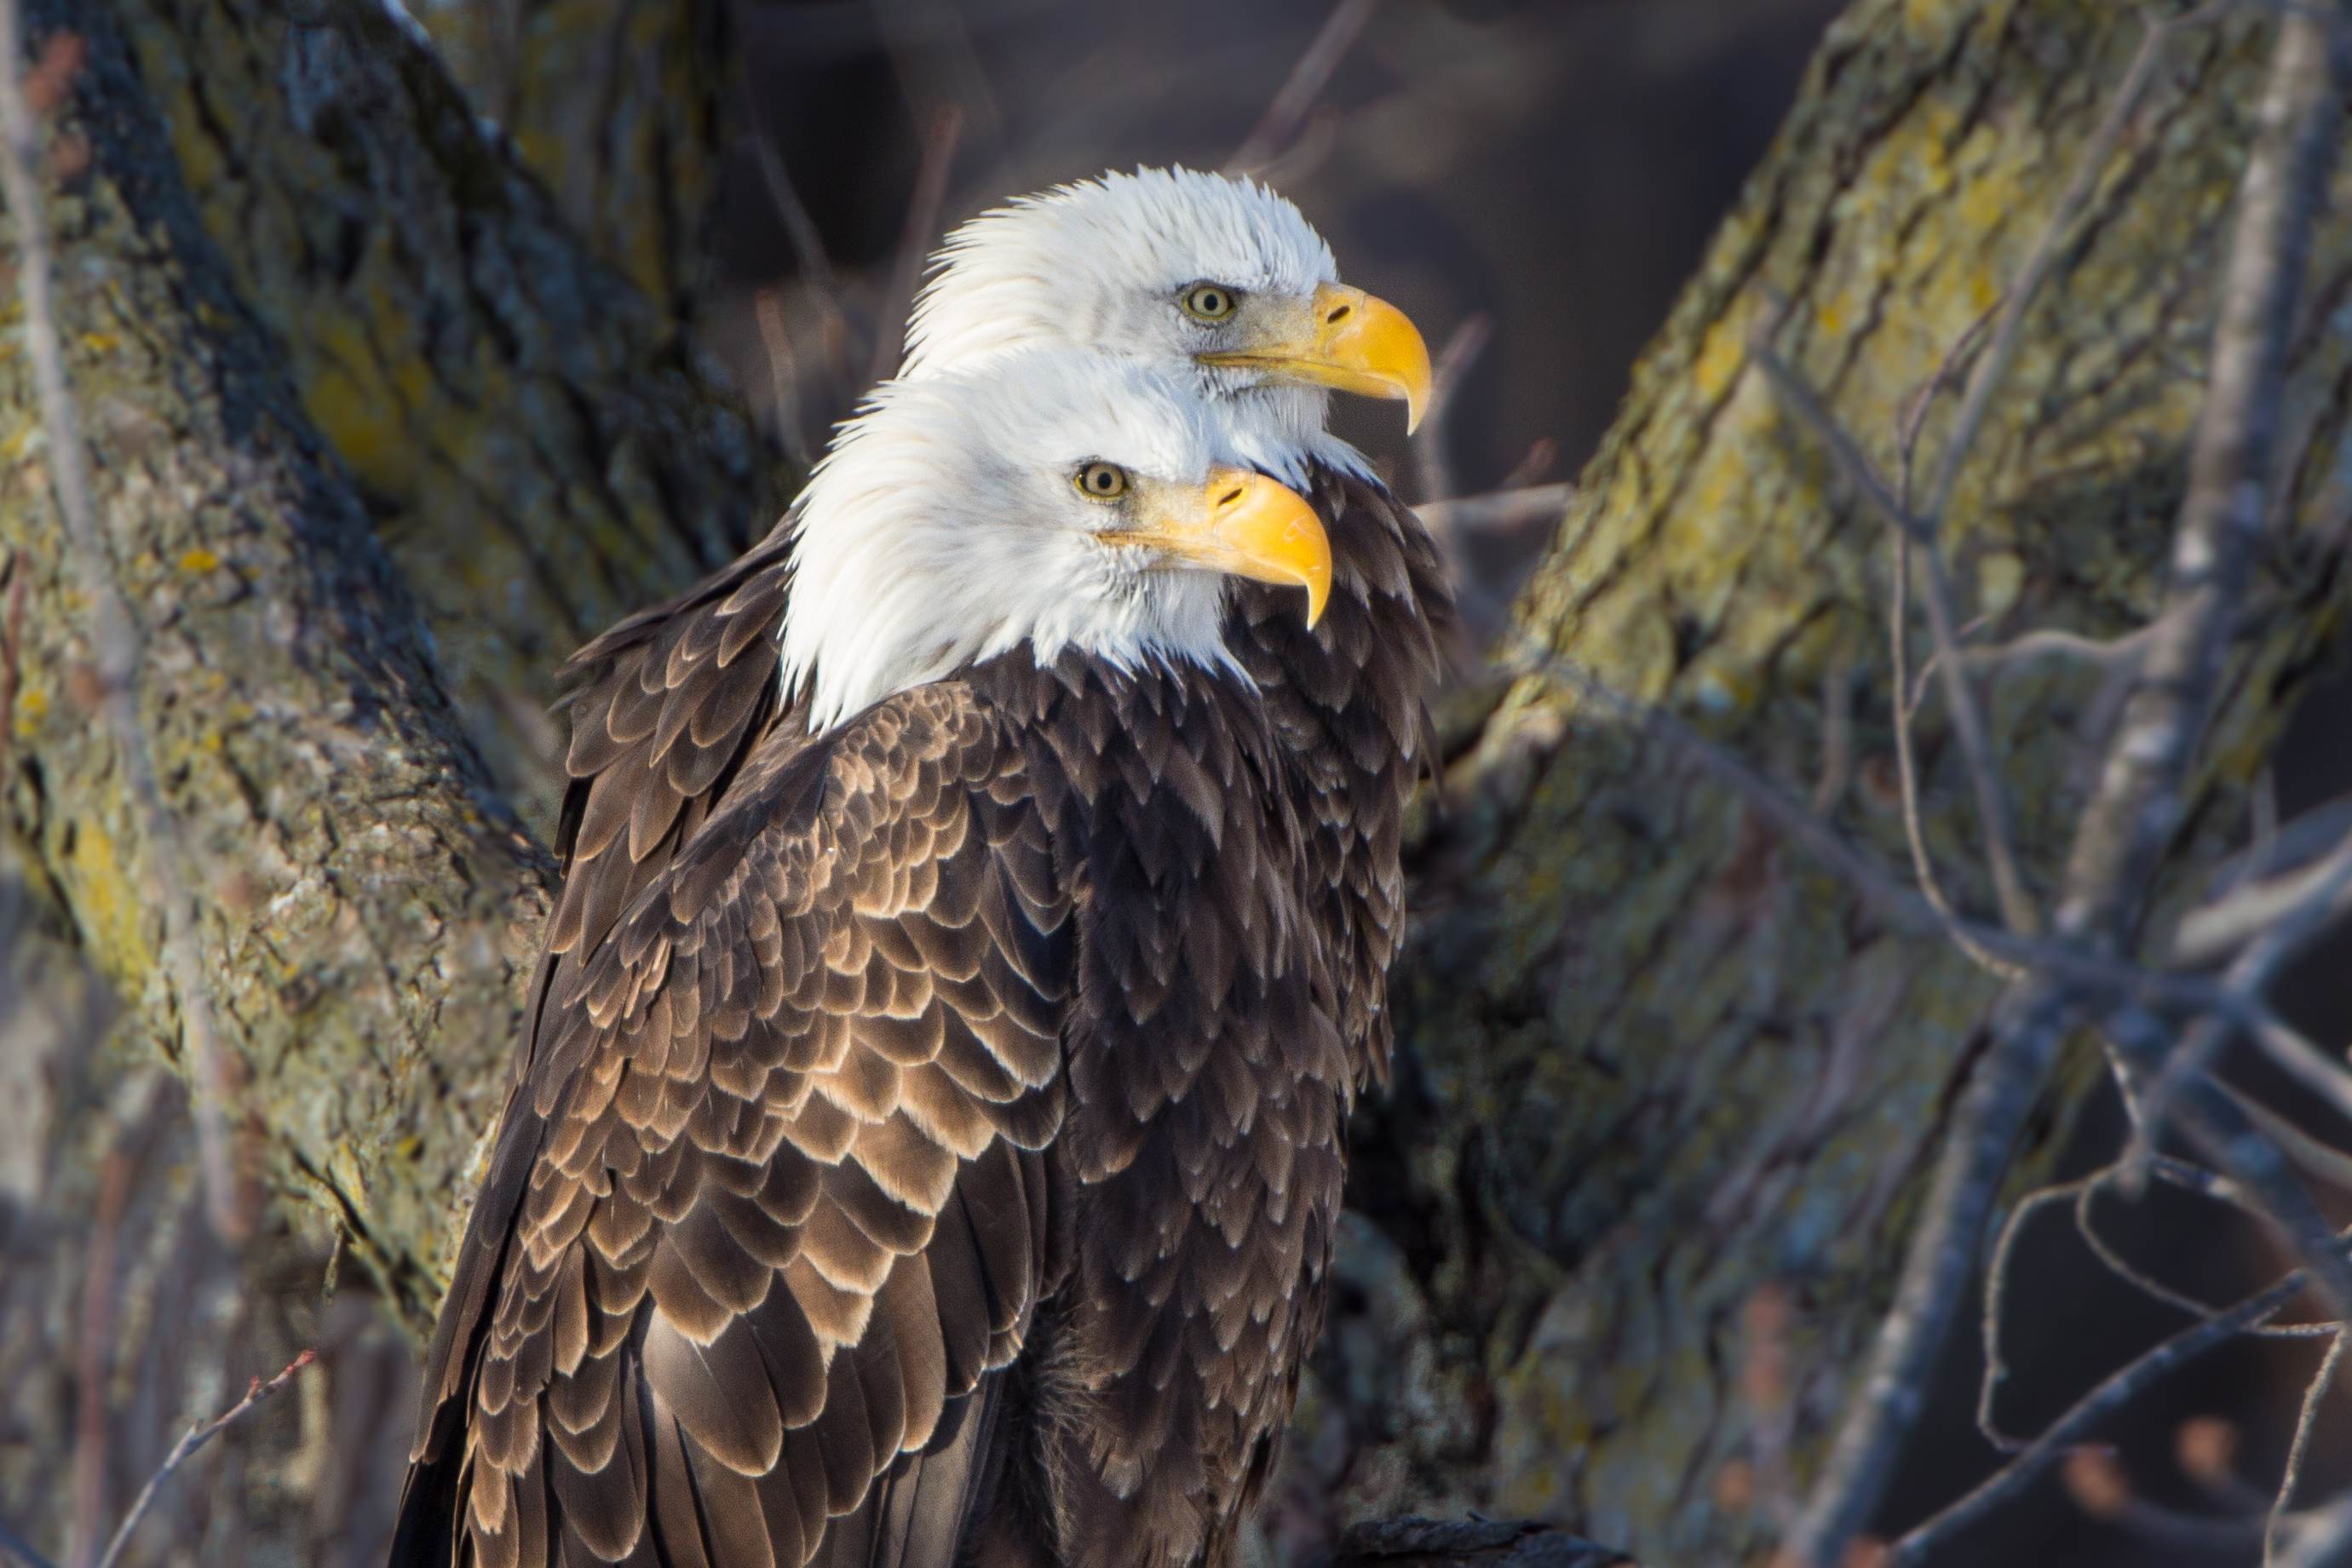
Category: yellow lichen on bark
[1681,1060]
[538,445]
[366,906]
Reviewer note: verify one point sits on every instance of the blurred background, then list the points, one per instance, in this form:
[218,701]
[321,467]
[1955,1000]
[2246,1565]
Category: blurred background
[1531,183]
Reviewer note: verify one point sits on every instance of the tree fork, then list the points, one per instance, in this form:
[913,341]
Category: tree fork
[1660,1062]
[537,442]
[368,906]
[1664,1064]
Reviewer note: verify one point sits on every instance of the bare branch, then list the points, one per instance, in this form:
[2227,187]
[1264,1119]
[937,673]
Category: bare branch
[1496,511]
[783,377]
[15,1545]
[2314,1156]
[1943,618]
[1996,1299]
[1430,458]
[2250,910]
[2136,805]
[2034,648]
[2292,929]
[2301,1447]
[2008,324]
[1305,83]
[916,240]
[196,1437]
[116,641]
[2117,1390]
[2325,1075]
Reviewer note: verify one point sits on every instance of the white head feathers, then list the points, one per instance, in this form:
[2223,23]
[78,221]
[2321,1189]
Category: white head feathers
[1100,263]
[945,527]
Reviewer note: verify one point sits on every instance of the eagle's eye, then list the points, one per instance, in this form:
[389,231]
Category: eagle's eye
[1207,301]
[1101,481]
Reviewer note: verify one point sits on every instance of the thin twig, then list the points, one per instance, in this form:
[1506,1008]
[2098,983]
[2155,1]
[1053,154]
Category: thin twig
[2248,912]
[2323,1538]
[1906,765]
[2139,802]
[1911,416]
[194,1438]
[2017,908]
[800,229]
[2074,207]
[2175,1172]
[1996,1298]
[1496,511]
[2314,1156]
[17,1546]
[2117,1390]
[1305,83]
[2100,975]
[115,636]
[1430,458]
[2036,647]
[12,639]
[2301,1446]
[2325,1075]
[916,240]
[2292,929]
[94,1354]
[783,377]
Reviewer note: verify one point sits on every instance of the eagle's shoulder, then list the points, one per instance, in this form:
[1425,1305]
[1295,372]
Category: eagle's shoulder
[768,1209]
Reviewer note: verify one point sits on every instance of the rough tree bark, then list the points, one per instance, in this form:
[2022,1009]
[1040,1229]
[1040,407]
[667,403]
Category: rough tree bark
[1669,1067]
[528,431]
[616,106]
[332,338]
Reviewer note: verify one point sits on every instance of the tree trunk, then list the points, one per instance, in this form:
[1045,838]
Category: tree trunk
[1666,1069]
[615,105]
[530,434]
[335,345]
[368,905]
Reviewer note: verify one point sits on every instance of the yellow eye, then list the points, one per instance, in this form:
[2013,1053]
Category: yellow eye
[1207,301]
[1100,481]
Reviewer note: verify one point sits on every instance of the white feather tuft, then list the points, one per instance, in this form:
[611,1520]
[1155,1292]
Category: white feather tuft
[943,528]
[1097,264]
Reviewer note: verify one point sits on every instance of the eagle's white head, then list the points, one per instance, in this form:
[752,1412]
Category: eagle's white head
[1219,280]
[1052,497]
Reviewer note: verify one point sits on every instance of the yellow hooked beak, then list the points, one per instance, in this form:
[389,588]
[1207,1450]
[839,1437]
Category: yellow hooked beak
[1348,341]
[1247,525]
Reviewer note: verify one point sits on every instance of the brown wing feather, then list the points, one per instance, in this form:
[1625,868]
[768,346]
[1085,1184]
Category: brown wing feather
[700,671]
[760,1248]
[665,708]
[1350,702]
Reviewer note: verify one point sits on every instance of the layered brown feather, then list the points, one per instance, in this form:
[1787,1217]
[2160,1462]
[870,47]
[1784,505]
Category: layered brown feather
[779,1204]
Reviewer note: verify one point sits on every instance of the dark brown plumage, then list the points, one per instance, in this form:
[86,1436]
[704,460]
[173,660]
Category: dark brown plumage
[975,1079]
[664,705]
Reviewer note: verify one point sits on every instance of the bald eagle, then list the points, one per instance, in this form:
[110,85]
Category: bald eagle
[1222,284]
[936,1162]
